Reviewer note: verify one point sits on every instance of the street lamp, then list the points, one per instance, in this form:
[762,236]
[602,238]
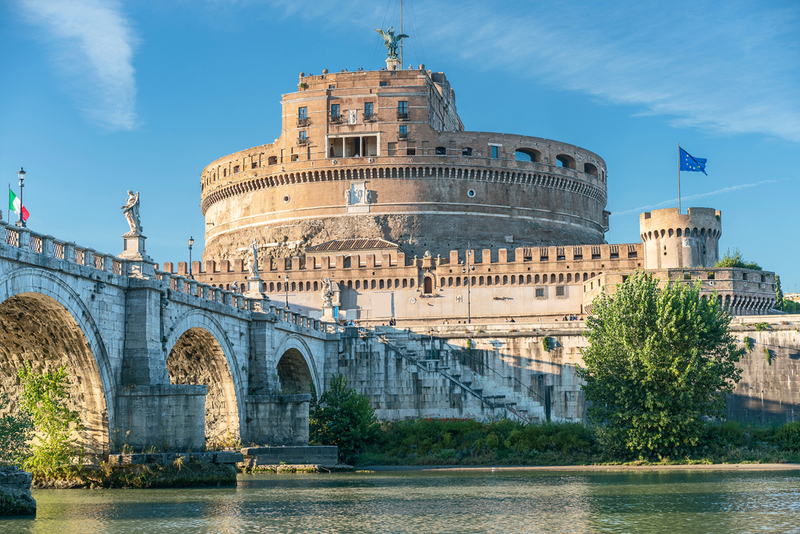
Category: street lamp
[191,242]
[286,288]
[467,268]
[21,176]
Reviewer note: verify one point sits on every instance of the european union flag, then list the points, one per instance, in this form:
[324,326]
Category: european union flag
[690,163]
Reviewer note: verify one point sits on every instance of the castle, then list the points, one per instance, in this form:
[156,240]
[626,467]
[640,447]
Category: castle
[375,185]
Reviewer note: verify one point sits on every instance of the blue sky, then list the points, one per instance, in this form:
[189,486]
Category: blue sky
[100,97]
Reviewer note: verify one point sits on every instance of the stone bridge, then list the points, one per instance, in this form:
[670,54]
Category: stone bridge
[156,360]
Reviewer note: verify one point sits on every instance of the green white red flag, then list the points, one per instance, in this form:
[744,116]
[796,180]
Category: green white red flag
[14,204]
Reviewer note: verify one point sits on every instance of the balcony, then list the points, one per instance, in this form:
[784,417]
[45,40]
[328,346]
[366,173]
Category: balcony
[303,140]
[371,117]
[402,135]
[337,119]
[402,116]
[303,121]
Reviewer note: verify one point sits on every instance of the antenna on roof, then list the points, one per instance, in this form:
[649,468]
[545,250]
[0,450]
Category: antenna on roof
[401,31]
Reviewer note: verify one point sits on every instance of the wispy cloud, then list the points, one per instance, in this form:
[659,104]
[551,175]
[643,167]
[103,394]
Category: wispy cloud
[673,201]
[731,67]
[92,45]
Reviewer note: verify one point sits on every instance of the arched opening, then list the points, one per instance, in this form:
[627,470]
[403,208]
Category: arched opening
[293,373]
[37,329]
[441,151]
[466,152]
[588,168]
[528,154]
[563,160]
[197,358]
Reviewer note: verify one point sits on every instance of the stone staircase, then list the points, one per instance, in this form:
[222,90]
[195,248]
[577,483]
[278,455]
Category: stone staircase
[500,398]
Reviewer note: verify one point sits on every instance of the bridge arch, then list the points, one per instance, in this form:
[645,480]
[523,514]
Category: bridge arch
[45,322]
[296,367]
[201,353]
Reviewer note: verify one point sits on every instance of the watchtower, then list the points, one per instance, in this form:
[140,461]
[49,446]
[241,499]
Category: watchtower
[675,240]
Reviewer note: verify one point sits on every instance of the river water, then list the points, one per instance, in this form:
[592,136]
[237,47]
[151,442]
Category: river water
[438,502]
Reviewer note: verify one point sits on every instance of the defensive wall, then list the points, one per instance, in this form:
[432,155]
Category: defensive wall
[486,371]
[155,359]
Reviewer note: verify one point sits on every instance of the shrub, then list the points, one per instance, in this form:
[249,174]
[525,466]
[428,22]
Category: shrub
[15,431]
[342,417]
[44,396]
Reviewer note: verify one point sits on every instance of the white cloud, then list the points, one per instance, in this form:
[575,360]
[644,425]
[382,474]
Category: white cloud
[674,201]
[731,67]
[92,45]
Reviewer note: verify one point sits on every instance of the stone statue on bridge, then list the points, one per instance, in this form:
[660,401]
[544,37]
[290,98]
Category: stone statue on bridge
[131,211]
[327,292]
[252,262]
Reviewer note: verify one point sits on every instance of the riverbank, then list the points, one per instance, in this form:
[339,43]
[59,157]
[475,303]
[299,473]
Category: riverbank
[438,443]
[584,468]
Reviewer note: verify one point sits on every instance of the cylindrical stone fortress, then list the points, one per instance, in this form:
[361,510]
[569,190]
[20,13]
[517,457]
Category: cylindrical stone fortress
[383,154]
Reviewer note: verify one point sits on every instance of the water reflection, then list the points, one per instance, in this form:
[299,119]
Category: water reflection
[442,501]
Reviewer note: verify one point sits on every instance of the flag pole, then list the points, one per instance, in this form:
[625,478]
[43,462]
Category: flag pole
[679,178]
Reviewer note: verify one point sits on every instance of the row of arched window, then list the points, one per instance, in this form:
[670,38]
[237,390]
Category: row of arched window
[404,283]
[688,232]
[371,173]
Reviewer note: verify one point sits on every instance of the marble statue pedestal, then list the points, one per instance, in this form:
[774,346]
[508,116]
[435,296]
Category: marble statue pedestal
[393,64]
[328,313]
[140,265]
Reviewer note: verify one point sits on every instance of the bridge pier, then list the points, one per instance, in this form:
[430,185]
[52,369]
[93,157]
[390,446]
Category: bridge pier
[278,419]
[169,417]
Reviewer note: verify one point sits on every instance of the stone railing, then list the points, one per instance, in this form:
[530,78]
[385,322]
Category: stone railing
[26,239]
[62,250]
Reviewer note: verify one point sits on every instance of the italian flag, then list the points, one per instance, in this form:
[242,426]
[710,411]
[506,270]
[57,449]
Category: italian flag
[14,204]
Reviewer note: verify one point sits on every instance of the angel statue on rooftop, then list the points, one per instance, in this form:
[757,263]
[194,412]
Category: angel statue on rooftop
[390,40]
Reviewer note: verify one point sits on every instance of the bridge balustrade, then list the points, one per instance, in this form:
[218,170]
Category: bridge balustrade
[67,251]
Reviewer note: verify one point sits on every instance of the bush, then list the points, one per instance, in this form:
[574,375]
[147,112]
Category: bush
[44,396]
[15,431]
[342,417]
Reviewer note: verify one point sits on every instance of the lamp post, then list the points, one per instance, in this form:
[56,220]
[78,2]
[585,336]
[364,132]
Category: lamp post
[286,288]
[467,269]
[191,242]
[21,176]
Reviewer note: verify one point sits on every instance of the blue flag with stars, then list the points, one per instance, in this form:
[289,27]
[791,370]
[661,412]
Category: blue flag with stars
[690,163]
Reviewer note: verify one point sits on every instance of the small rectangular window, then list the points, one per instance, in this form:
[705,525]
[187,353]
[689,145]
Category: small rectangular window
[331,86]
[539,292]
[302,113]
[303,136]
[402,109]
[383,84]
[559,291]
[335,111]
[368,109]
[495,152]
[403,132]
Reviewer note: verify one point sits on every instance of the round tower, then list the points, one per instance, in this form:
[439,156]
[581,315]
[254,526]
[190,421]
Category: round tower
[675,240]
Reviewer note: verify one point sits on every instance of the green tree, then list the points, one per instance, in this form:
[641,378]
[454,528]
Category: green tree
[44,396]
[781,303]
[659,360]
[735,259]
[342,417]
[15,431]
